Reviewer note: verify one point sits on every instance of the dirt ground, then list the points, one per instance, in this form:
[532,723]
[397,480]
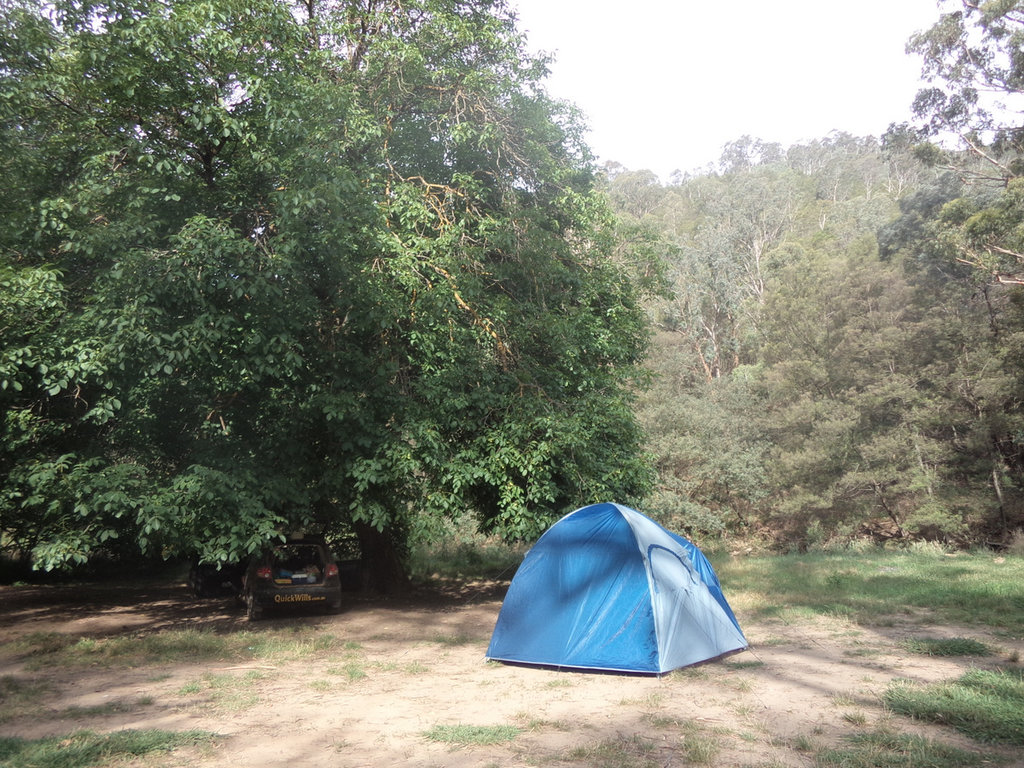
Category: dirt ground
[406,666]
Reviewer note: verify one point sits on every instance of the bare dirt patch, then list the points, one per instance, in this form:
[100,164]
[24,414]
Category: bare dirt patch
[406,666]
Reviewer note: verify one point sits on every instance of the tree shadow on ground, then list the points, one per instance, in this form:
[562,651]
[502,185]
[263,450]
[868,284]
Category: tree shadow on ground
[112,608]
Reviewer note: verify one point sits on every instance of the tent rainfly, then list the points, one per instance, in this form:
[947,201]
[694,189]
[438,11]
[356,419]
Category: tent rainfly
[606,588]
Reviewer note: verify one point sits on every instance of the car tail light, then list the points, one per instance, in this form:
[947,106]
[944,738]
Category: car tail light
[263,572]
[331,571]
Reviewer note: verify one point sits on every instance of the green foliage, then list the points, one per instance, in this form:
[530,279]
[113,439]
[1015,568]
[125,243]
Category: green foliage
[839,354]
[464,557]
[971,60]
[709,453]
[300,265]
[985,705]
[787,397]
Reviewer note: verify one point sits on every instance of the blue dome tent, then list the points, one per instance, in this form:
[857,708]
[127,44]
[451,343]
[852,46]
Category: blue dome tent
[606,588]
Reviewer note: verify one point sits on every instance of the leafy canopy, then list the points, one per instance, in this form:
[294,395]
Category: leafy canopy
[269,265]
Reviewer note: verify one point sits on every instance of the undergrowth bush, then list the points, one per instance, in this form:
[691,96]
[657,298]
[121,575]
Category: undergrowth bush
[474,558]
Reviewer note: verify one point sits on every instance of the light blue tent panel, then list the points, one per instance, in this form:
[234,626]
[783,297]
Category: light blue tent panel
[606,588]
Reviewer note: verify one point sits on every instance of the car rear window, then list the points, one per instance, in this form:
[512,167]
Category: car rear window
[297,564]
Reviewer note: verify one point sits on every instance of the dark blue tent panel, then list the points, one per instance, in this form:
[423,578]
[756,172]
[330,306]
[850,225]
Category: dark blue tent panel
[607,588]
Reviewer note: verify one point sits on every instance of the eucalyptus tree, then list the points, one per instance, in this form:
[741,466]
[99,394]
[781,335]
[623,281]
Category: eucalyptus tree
[973,62]
[725,262]
[331,265]
[726,238]
[972,59]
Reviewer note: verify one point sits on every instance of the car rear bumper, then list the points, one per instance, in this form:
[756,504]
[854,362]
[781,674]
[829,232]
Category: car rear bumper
[297,596]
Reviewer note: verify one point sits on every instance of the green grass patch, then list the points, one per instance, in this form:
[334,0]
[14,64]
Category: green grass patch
[471,735]
[749,664]
[701,744]
[862,652]
[52,650]
[233,693]
[623,752]
[453,641]
[872,586]
[353,671]
[84,749]
[169,647]
[985,705]
[948,646]
[19,697]
[118,707]
[895,750]
[39,643]
[560,682]
[292,644]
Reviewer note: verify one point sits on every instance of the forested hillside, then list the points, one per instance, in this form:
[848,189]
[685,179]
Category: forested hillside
[828,365]
[841,350]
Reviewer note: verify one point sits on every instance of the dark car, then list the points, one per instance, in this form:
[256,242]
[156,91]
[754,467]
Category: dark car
[215,579]
[298,573]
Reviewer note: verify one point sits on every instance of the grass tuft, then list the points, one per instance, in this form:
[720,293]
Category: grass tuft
[471,735]
[623,752]
[453,641]
[117,707]
[234,693]
[948,646]
[987,706]
[41,643]
[84,749]
[749,664]
[295,644]
[352,670]
[894,750]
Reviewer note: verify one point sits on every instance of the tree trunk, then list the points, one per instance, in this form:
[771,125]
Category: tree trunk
[382,569]
[999,495]
[883,502]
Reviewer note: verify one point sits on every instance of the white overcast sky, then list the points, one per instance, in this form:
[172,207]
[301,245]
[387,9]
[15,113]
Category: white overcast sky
[665,84]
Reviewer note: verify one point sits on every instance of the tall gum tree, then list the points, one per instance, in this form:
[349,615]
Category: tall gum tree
[973,59]
[327,265]
[974,65]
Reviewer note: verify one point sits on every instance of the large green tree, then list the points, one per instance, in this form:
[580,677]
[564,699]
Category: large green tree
[268,265]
